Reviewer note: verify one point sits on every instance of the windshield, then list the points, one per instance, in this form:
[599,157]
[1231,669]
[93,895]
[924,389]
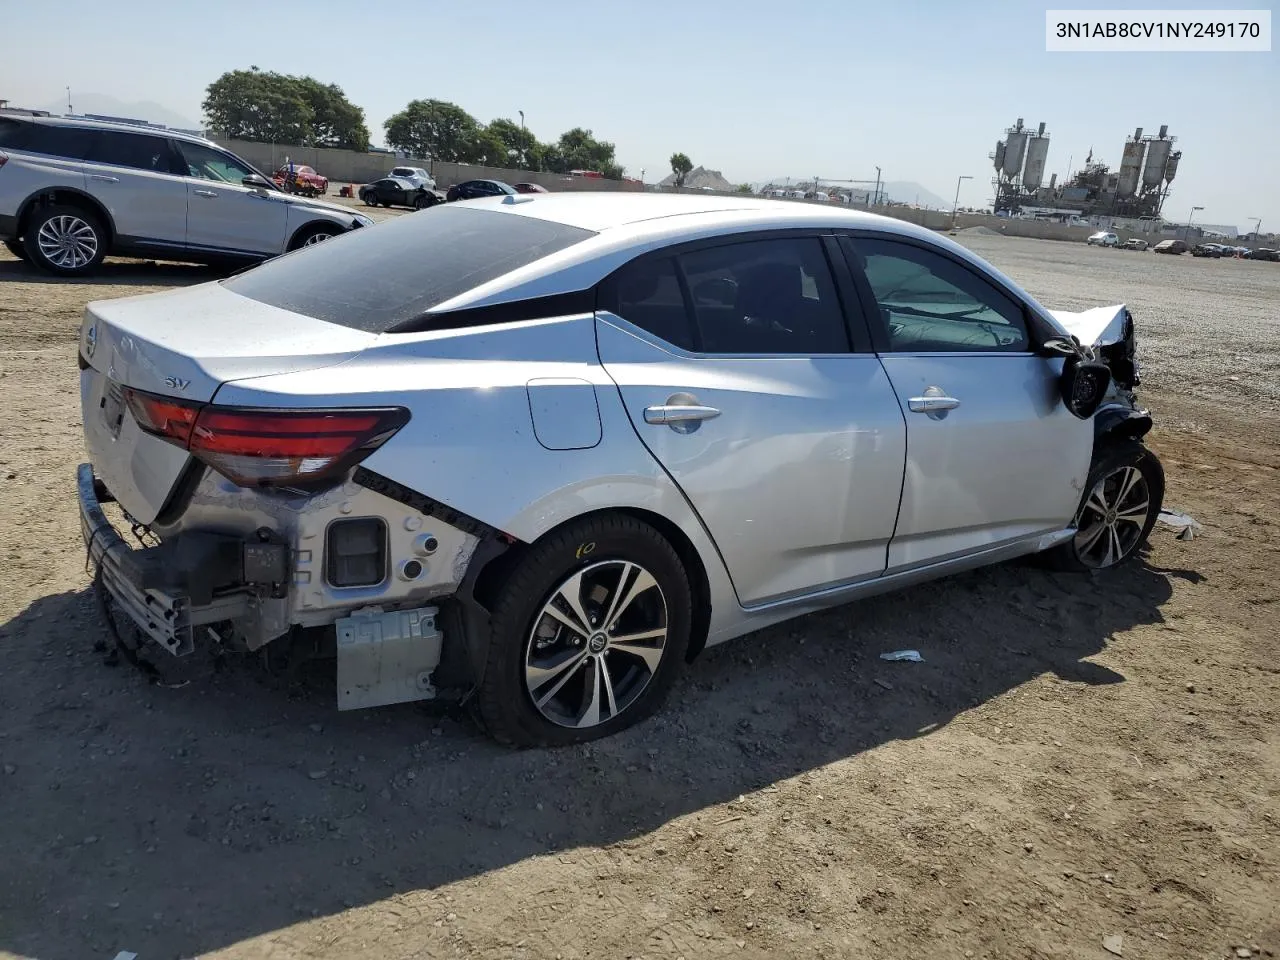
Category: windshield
[377,278]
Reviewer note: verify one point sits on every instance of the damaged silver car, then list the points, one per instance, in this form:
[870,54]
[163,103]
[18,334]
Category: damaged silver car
[545,449]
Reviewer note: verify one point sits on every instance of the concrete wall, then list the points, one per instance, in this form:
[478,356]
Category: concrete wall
[351,166]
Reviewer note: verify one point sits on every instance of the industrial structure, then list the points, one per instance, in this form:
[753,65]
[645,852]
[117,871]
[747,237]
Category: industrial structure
[1138,190]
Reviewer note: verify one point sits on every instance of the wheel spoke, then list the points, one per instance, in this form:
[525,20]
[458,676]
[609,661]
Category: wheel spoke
[1097,501]
[634,644]
[568,669]
[613,612]
[591,713]
[571,593]
[642,582]
[1136,514]
[1113,545]
[1131,477]
[1092,538]
[602,668]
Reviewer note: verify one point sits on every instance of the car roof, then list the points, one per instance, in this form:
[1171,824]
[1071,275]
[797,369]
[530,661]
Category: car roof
[628,224]
[56,121]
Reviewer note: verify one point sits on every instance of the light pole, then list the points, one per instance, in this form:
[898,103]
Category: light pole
[1257,229]
[956,205]
[877,200]
[1186,231]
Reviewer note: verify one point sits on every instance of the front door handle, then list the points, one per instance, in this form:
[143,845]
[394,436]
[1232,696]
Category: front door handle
[103,178]
[204,193]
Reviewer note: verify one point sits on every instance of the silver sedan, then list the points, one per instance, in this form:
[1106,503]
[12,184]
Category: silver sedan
[545,449]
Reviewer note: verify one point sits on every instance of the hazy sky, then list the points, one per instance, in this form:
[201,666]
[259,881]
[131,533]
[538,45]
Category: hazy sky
[756,90]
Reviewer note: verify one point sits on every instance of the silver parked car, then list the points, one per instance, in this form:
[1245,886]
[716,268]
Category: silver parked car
[73,191]
[415,175]
[549,447]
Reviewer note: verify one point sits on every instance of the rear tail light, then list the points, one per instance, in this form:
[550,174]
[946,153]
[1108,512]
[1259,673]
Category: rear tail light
[265,448]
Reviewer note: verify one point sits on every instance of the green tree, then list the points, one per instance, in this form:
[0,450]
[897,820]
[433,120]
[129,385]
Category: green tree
[520,147]
[680,166]
[436,129]
[275,107]
[337,122]
[253,105]
[745,188]
[577,149]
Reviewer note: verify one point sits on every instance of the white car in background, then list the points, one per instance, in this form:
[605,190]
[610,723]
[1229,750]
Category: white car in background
[1104,239]
[415,175]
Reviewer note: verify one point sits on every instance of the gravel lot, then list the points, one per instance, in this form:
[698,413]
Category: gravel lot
[1076,759]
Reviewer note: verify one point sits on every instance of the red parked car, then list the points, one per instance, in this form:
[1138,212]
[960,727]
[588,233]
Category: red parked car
[305,180]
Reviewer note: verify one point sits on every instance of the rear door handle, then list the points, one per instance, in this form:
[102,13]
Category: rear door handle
[679,413]
[103,178]
[935,407]
[204,193]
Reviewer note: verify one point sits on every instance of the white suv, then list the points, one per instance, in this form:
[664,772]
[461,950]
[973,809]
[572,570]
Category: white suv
[74,191]
[1104,239]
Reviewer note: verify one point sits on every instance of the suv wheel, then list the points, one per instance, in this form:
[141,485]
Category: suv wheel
[314,235]
[15,247]
[65,240]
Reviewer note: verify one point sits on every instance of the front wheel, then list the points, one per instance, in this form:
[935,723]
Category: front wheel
[15,247]
[588,634]
[1123,497]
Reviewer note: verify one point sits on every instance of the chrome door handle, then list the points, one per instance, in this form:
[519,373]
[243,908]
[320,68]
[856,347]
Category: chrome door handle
[204,193]
[103,178]
[679,413]
[933,405]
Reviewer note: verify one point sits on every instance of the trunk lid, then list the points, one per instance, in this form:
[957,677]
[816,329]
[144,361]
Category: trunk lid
[183,344]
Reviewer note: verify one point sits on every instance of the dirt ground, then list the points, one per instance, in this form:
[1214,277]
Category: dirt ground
[1076,759]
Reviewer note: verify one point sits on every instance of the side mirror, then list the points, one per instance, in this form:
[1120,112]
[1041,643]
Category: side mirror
[256,182]
[1083,385]
[1061,346]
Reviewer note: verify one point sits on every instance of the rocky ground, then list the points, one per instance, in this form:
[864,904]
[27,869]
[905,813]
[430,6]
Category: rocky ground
[1079,766]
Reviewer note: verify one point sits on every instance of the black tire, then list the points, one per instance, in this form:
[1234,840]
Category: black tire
[85,226]
[370,200]
[1111,459]
[505,704]
[421,203]
[386,203]
[16,248]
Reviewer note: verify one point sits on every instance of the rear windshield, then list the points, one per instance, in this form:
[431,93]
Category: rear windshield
[377,278]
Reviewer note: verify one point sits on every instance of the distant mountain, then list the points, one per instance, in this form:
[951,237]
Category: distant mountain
[109,106]
[903,191]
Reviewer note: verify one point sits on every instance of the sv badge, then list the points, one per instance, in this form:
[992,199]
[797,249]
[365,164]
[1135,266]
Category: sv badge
[176,383]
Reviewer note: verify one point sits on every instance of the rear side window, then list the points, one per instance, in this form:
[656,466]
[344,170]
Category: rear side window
[13,134]
[647,293]
[136,150]
[70,143]
[382,278]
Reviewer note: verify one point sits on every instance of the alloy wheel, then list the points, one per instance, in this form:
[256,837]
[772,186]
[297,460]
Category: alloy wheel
[596,644]
[1112,520]
[316,238]
[67,242]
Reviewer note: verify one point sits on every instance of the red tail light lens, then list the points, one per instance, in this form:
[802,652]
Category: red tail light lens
[255,448]
[163,416]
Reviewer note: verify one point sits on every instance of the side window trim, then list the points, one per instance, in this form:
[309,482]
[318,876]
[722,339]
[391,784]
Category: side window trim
[690,311]
[871,307]
[857,328]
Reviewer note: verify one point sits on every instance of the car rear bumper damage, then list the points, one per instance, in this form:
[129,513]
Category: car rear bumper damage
[251,586]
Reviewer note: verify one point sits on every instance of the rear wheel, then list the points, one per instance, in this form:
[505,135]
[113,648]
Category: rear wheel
[588,634]
[420,202]
[1124,493]
[65,240]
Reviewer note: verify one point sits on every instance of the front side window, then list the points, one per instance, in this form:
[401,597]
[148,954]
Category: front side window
[772,296]
[135,150]
[929,303]
[209,164]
